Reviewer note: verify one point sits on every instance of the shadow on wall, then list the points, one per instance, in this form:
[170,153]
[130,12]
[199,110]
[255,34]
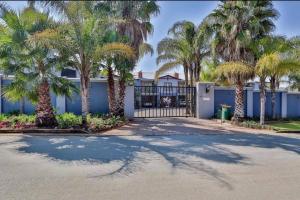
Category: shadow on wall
[181,152]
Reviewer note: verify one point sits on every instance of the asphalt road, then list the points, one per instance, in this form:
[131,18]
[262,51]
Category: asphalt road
[175,167]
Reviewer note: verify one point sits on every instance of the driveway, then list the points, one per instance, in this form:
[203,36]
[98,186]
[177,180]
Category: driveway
[180,125]
[175,167]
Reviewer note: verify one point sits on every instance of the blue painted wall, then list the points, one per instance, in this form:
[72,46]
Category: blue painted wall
[98,100]
[223,96]
[256,104]
[293,105]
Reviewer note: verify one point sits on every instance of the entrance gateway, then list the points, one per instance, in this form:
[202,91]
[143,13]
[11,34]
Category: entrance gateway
[164,101]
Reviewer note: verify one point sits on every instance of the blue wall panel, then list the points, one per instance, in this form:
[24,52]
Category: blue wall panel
[293,105]
[73,104]
[256,104]
[99,98]
[227,97]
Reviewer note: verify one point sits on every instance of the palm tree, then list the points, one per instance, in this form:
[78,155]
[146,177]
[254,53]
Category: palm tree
[173,53]
[236,24]
[32,60]
[85,25]
[262,71]
[266,52]
[237,73]
[135,28]
[188,46]
[295,81]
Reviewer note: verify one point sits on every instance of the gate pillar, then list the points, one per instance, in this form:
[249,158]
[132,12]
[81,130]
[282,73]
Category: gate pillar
[129,102]
[205,100]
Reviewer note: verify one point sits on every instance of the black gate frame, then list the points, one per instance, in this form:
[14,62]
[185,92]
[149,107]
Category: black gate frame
[164,101]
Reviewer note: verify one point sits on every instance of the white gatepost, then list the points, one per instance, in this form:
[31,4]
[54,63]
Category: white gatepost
[61,104]
[129,102]
[284,104]
[205,100]
[249,102]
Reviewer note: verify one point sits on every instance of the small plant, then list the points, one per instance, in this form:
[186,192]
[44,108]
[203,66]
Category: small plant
[3,117]
[68,120]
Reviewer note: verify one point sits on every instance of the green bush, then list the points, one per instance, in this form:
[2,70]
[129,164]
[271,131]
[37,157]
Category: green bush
[23,119]
[68,120]
[3,117]
[99,123]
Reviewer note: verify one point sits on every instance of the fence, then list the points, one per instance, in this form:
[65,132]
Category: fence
[210,98]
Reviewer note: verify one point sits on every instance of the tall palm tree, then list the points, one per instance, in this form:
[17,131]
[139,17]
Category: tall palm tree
[173,53]
[271,64]
[135,28]
[237,73]
[267,52]
[187,46]
[236,24]
[31,60]
[85,25]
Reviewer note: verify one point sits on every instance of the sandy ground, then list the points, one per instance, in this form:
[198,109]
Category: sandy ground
[175,167]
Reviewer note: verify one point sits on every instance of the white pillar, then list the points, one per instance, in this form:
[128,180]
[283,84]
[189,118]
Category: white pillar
[284,104]
[250,102]
[129,102]
[205,100]
[61,104]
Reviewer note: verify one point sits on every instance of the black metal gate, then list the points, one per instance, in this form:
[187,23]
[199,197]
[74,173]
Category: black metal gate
[164,101]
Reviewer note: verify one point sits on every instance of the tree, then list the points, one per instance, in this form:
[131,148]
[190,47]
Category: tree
[267,52]
[237,73]
[85,25]
[32,60]
[135,28]
[173,53]
[235,25]
[295,81]
[187,46]
[269,65]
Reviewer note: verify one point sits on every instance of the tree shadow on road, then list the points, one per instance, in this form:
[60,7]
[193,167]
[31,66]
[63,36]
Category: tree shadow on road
[180,151]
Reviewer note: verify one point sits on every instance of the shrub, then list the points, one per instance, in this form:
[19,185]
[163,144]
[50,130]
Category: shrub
[100,123]
[3,117]
[68,120]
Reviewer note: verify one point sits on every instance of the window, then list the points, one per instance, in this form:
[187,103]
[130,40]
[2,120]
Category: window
[168,84]
[70,73]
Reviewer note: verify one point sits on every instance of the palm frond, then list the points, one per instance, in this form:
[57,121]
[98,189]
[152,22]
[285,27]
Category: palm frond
[115,48]
[236,71]
[166,67]
[144,49]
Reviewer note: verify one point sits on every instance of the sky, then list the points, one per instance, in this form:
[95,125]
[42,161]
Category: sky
[172,11]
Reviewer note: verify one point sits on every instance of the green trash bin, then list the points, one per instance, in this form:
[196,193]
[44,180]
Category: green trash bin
[225,112]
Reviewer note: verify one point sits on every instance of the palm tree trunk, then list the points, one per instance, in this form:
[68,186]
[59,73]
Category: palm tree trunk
[122,88]
[273,95]
[191,76]
[186,76]
[262,101]
[84,89]
[197,69]
[111,91]
[44,112]
[239,102]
